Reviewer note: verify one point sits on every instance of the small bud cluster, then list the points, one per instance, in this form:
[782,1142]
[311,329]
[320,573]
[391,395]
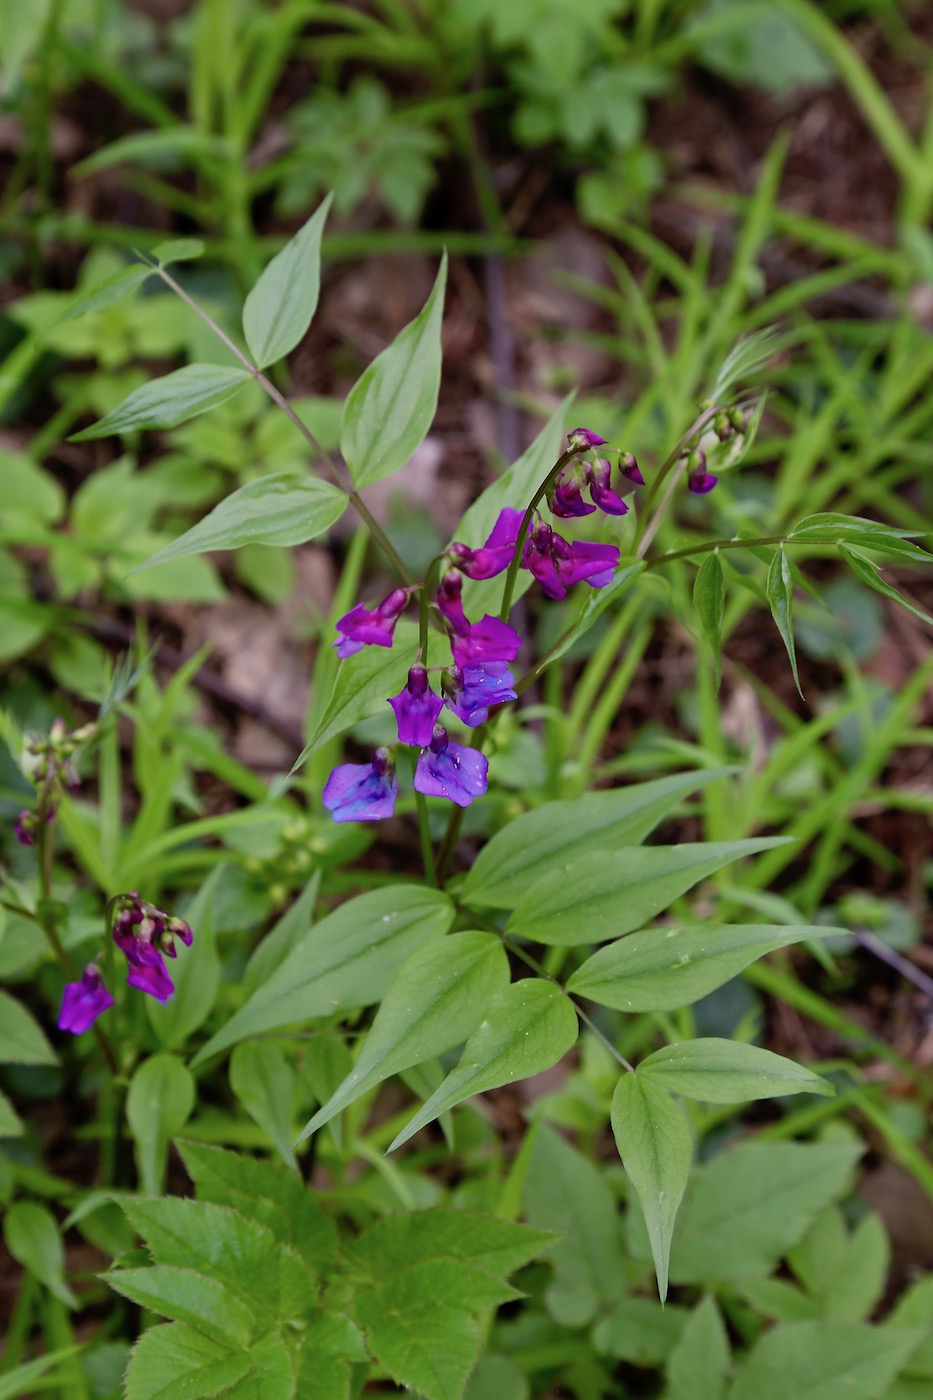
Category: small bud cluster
[727,423]
[50,765]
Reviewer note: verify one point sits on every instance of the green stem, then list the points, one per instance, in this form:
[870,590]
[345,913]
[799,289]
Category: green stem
[712,545]
[362,510]
[512,574]
[424,830]
[424,614]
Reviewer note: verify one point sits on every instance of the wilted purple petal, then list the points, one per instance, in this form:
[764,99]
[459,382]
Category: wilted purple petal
[601,491]
[416,709]
[362,792]
[363,626]
[450,770]
[496,554]
[472,691]
[490,639]
[582,438]
[83,1002]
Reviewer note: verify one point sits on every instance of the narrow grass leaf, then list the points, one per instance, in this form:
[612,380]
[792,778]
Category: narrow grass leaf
[279,309]
[728,1071]
[173,399]
[865,570]
[654,1143]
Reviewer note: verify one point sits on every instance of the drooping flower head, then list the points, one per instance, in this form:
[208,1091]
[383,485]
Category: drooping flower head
[601,491]
[471,691]
[565,497]
[496,554]
[557,565]
[629,468]
[363,626]
[450,770]
[362,792]
[416,708]
[146,934]
[580,439]
[699,480]
[84,1001]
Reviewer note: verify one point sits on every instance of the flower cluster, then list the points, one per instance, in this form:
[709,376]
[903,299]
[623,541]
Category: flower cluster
[482,650]
[146,935]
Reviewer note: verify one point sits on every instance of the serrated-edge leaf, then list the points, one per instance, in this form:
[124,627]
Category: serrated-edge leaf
[654,1143]
[280,307]
[527,1029]
[163,1290]
[842,1359]
[865,570]
[279,509]
[715,1070]
[173,399]
[22,1039]
[174,1359]
[780,588]
[709,599]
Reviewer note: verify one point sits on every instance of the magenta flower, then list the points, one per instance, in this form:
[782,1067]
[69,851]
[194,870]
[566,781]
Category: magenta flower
[701,482]
[473,690]
[601,492]
[496,554]
[416,709]
[450,770]
[566,495]
[362,792]
[582,438]
[83,1002]
[137,937]
[558,565]
[486,640]
[629,469]
[363,626]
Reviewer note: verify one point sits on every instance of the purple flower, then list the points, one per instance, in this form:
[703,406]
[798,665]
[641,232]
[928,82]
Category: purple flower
[582,438]
[362,792]
[601,492]
[25,828]
[558,565]
[473,690]
[701,482]
[496,554]
[137,938]
[83,1002]
[486,640]
[629,469]
[450,770]
[370,626]
[565,497]
[416,709]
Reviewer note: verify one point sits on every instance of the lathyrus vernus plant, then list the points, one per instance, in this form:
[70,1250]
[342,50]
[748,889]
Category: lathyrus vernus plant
[483,970]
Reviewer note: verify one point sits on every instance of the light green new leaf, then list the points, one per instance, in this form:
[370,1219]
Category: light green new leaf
[527,1028]
[661,969]
[175,1360]
[512,862]
[281,509]
[264,1081]
[362,684]
[187,1296]
[780,589]
[824,1361]
[398,1241]
[195,972]
[728,1071]
[699,1363]
[159,1102]
[654,1143]
[22,1040]
[437,999]
[391,406]
[173,399]
[31,1234]
[709,599]
[278,310]
[600,894]
[348,960]
[865,570]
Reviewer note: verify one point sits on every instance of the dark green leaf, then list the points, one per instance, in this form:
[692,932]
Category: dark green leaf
[159,1102]
[279,309]
[187,1296]
[22,1040]
[823,1361]
[728,1071]
[263,1080]
[781,599]
[173,399]
[31,1234]
[175,1360]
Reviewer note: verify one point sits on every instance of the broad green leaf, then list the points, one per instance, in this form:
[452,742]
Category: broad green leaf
[391,406]
[598,601]
[781,601]
[640,1331]
[22,1040]
[158,1104]
[437,999]
[363,683]
[753,1203]
[654,1143]
[400,1240]
[497,1378]
[278,310]
[281,509]
[11,1125]
[279,941]
[823,1361]
[422,1344]
[177,250]
[845,1273]
[709,599]
[175,1360]
[195,972]
[779,1300]
[600,894]
[567,1193]
[21,1381]
[698,1365]
[31,1234]
[173,399]
[865,570]
[272,1372]
[264,1081]
[324,1377]
[512,862]
[186,1296]
[728,1071]
[268,1193]
[660,969]
[526,1029]
[105,294]
[348,960]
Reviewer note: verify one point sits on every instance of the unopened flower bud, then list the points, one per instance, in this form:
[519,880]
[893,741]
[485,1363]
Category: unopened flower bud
[738,419]
[722,427]
[628,467]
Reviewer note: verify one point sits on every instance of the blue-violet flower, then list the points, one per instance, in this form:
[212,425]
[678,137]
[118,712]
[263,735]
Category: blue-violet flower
[471,691]
[84,1001]
[416,708]
[362,792]
[450,770]
[363,626]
